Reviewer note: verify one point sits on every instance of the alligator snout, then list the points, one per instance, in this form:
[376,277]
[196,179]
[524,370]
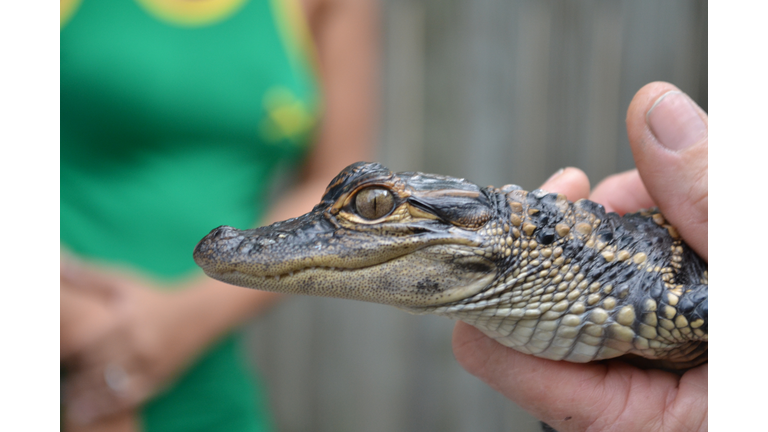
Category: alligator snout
[256,250]
[217,247]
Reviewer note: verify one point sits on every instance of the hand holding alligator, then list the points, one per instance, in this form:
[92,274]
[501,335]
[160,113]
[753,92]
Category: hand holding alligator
[668,136]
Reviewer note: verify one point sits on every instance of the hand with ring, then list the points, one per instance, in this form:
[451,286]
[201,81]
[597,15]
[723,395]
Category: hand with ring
[116,378]
[134,354]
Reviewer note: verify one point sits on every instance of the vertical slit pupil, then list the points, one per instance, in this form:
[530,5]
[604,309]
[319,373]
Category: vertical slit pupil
[374,202]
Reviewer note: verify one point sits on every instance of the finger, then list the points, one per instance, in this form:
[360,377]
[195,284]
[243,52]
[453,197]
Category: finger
[571,182]
[622,193]
[83,380]
[126,421]
[537,385]
[92,405]
[112,345]
[668,134]
[83,276]
[105,390]
[568,396]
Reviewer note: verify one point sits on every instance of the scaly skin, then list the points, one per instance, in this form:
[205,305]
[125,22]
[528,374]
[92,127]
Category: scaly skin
[559,280]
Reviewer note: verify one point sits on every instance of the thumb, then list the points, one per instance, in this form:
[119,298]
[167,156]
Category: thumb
[668,134]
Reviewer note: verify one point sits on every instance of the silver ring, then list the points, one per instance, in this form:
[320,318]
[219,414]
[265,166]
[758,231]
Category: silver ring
[116,378]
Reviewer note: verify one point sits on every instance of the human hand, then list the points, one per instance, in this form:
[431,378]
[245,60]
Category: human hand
[85,317]
[144,346]
[668,136]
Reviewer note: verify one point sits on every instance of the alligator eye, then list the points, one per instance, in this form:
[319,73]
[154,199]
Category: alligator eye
[374,202]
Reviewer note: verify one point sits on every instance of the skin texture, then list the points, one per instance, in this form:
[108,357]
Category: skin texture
[111,315]
[613,396]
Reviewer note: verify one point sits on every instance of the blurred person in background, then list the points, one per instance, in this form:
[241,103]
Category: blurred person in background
[176,116]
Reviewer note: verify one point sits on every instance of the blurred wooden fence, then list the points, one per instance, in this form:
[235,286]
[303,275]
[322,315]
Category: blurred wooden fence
[496,91]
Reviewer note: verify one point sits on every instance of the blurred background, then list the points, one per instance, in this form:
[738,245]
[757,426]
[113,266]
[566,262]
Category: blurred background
[497,92]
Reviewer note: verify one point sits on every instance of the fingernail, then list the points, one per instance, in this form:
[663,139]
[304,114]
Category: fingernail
[555,175]
[674,121]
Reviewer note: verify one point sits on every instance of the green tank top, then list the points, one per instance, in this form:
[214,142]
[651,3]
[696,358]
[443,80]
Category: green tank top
[175,117]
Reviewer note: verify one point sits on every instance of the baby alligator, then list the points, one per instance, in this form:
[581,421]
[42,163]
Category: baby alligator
[547,277]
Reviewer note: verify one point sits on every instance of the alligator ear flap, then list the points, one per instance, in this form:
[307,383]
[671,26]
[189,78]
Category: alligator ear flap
[464,210]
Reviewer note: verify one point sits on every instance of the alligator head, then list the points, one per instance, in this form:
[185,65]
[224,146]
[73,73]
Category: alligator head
[364,240]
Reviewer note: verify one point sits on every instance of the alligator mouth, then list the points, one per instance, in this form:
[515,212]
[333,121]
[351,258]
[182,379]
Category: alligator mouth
[283,276]
[447,272]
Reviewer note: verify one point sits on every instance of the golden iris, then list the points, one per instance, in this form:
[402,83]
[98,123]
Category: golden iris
[374,203]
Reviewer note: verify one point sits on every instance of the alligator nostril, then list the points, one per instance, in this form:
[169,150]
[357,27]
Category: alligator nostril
[224,232]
